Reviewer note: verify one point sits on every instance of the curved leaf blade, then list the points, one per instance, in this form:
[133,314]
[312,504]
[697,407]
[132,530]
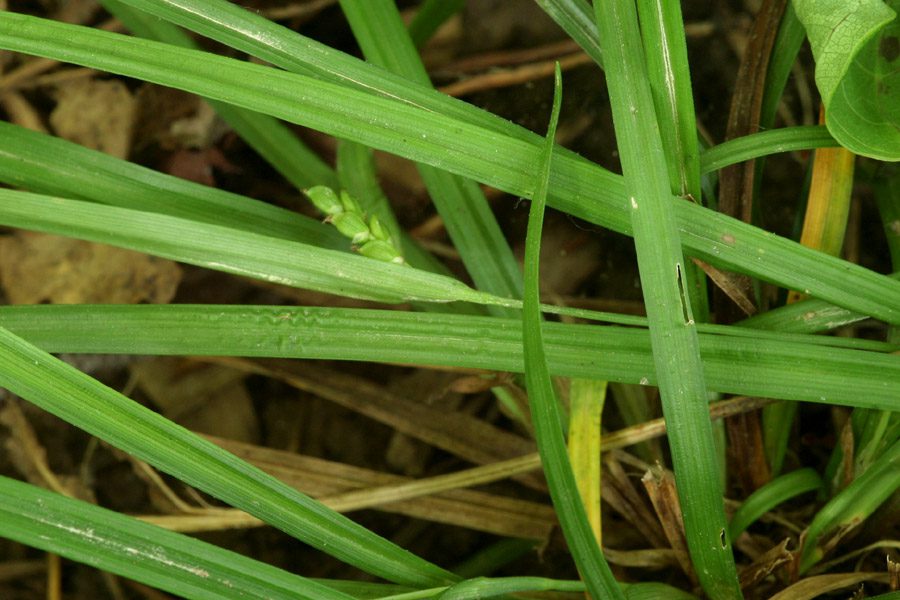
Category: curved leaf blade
[545,413]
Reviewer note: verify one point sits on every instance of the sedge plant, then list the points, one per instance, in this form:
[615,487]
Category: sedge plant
[387,103]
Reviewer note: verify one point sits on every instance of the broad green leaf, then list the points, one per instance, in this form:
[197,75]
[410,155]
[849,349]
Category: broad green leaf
[126,546]
[857,50]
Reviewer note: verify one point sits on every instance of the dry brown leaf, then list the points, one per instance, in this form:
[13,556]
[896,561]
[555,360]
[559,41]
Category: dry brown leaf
[97,114]
[19,570]
[26,452]
[482,382]
[37,267]
[765,564]
[649,558]
[463,435]
[492,513]
[660,486]
[893,569]
[734,285]
[21,112]
[818,586]
[746,451]
[200,396]
[569,256]
[175,120]
[619,493]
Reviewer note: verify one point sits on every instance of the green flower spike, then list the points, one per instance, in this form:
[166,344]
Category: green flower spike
[351,224]
[325,200]
[344,212]
[381,250]
[378,230]
[350,204]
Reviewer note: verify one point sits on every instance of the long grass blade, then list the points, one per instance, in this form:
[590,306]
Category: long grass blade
[504,160]
[807,316]
[236,27]
[769,367]
[545,413]
[771,495]
[169,561]
[763,143]
[232,251]
[673,331]
[665,49]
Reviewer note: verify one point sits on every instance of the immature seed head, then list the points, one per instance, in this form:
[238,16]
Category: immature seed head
[325,200]
[350,203]
[381,250]
[352,226]
[378,230]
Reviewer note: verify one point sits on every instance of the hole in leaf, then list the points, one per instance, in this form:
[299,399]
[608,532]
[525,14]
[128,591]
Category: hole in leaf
[682,297]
